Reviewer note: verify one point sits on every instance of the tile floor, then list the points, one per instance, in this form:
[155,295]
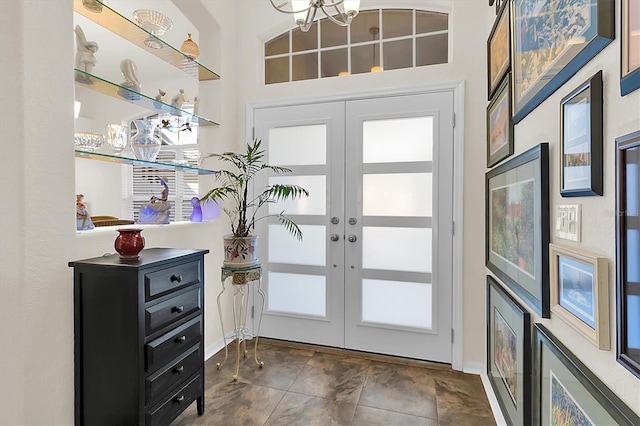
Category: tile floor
[309,385]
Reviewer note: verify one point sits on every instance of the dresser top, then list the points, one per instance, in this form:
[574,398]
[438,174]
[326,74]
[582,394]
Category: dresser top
[147,257]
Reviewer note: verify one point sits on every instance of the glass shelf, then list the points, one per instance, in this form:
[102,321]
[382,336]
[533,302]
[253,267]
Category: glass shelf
[132,161]
[97,84]
[118,24]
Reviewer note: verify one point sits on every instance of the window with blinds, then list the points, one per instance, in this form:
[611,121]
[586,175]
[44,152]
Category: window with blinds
[141,183]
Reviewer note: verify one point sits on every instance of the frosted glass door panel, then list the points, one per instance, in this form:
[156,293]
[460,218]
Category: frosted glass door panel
[397,194]
[397,140]
[396,249]
[315,203]
[397,303]
[298,145]
[297,294]
[284,248]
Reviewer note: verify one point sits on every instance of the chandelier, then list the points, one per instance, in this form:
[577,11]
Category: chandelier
[304,11]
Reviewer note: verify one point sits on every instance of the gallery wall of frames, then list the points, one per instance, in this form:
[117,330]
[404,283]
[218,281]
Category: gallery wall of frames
[548,285]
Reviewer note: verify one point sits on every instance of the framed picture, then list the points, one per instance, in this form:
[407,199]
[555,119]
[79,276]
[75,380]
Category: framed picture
[630,47]
[628,251]
[500,125]
[517,226]
[566,392]
[581,140]
[580,292]
[552,40]
[509,353]
[499,50]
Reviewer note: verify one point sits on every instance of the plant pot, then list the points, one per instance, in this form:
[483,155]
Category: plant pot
[240,252]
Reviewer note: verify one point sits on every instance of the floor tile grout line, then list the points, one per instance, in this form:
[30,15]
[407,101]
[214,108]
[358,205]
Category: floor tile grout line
[275,407]
[396,412]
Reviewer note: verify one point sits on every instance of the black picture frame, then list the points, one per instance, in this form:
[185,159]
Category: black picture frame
[499,50]
[500,125]
[509,353]
[581,135]
[560,379]
[630,39]
[550,45]
[628,251]
[517,226]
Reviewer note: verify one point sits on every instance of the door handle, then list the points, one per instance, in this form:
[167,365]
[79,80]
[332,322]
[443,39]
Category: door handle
[352,238]
[335,237]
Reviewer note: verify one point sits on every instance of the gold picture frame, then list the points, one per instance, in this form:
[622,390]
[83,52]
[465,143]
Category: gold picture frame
[580,292]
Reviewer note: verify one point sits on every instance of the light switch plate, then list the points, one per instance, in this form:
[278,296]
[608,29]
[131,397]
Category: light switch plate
[569,222]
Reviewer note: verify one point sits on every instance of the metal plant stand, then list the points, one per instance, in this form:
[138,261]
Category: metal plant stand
[240,279]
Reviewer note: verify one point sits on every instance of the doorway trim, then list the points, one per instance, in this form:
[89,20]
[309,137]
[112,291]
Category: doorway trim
[458,89]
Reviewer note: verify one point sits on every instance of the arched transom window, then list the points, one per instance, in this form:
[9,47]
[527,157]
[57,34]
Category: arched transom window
[376,40]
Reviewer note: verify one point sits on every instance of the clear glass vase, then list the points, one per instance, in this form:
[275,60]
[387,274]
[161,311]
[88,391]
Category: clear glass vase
[145,144]
[117,137]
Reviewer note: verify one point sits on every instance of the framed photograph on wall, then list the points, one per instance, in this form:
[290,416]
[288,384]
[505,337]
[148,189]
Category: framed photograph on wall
[580,292]
[566,392]
[628,251]
[581,140]
[509,353]
[517,226]
[499,50]
[630,47]
[500,125]
[552,40]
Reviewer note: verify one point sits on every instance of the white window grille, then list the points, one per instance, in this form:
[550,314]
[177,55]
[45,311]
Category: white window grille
[376,40]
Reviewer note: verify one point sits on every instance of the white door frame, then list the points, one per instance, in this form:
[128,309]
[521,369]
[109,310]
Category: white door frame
[458,181]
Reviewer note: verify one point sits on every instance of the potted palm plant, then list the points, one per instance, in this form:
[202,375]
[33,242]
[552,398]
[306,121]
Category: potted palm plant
[244,208]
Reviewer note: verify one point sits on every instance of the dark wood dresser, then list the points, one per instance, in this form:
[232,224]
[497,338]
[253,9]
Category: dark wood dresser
[139,337]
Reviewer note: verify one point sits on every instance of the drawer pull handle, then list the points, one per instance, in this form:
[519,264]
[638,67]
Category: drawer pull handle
[176,278]
[179,369]
[177,309]
[181,339]
[179,399]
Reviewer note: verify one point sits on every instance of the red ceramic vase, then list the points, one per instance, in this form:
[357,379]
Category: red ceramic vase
[129,243]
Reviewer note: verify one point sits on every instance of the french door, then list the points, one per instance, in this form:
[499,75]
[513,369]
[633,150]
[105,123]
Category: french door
[373,271]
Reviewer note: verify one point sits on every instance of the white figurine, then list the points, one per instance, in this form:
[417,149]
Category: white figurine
[159,99]
[85,58]
[160,95]
[131,84]
[195,105]
[129,71]
[177,101]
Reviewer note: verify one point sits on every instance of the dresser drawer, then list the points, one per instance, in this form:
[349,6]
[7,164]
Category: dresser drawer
[169,279]
[168,346]
[176,403]
[174,374]
[164,313]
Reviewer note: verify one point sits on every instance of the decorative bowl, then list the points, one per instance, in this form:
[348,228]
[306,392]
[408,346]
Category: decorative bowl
[88,141]
[153,21]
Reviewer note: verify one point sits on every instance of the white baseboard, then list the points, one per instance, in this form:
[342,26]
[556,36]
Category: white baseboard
[493,401]
[213,348]
[473,368]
